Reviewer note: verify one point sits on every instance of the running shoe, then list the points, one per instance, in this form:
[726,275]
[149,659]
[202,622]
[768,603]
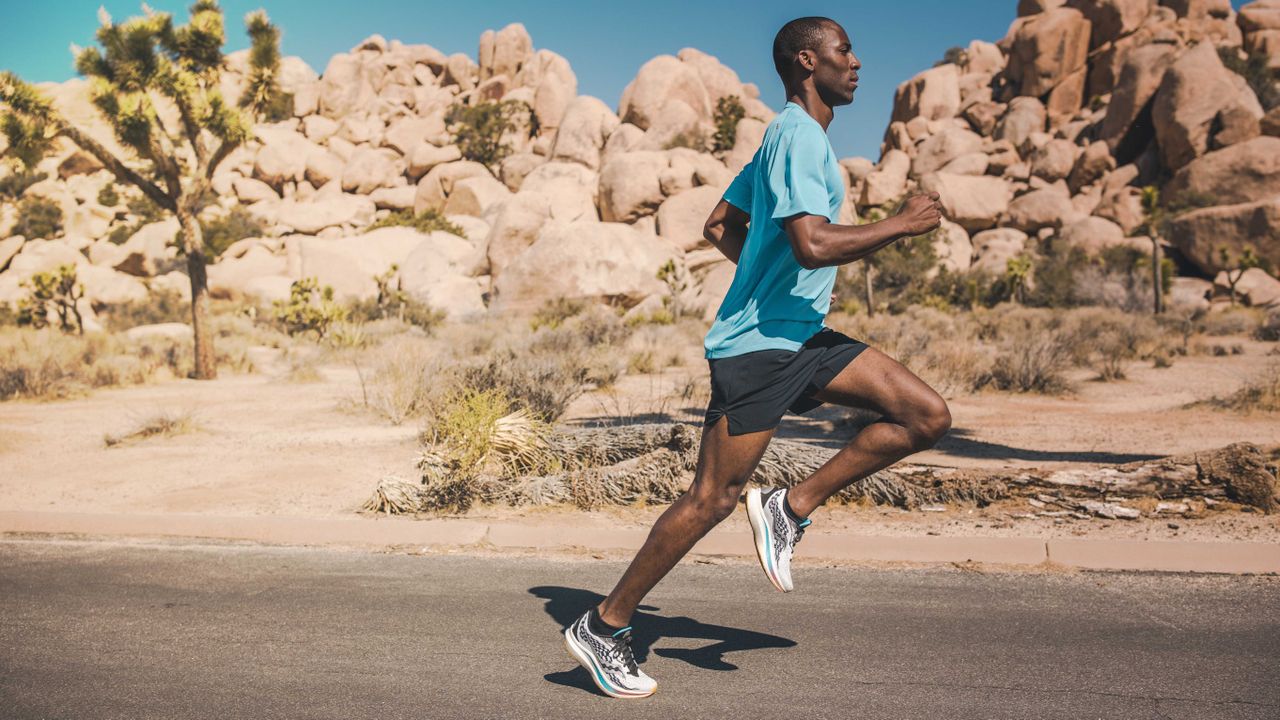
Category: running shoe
[608,660]
[775,533]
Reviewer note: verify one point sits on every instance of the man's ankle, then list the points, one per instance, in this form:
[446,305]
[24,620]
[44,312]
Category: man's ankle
[597,623]
[796,517]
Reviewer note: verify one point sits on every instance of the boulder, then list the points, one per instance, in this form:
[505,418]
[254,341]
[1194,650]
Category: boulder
[992,249]
[1026,115]
[554,87]
[1112,19]
[1201,235]
[1034,7]
[983,116]
[332,210]
[434,188]
[662,80]
[609,262]
[570,190]
[1054,160]
[1240,173]
[1048,207]
[369,169]
[176,331]
[426,156]
[516,167]
[1047,48]
[230,278]
[952,246]
[888,181]
[1092,234]
[9,247]
[323,167]
[630,186]
[1123,206]
[975,163]
[406,134]
[104,286]
[942,148]
[1092,165]
[345,86]
[282,157]
[933,94]
[586,125]
[1193,94]
[983,57]
[504,52]
[476,195]
[249,190]
[319,128]
[718,80]
[974,203]
[1189,294]
[681,217]
[1270,124]
[515,227]
[148,247]
[397,198]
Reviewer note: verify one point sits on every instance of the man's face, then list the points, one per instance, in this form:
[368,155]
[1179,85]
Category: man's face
[835,67]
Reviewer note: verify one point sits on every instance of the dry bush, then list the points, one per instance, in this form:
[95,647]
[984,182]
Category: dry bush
[1033,350]
[400,378]
[942,348]
[166,423]
[1232,321]
[1108,340]
[1262,394]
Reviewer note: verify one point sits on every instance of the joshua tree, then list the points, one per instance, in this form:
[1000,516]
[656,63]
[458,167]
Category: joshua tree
[1153,223]
[1236,265]
[142,63]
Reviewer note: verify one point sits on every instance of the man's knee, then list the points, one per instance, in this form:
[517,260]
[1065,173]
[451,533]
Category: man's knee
[715,506]
[930,422]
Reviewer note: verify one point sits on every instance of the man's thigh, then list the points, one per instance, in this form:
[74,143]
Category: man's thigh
[725,460]
[875,381]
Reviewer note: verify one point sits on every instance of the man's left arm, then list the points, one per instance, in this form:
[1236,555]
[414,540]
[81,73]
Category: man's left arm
[726,229]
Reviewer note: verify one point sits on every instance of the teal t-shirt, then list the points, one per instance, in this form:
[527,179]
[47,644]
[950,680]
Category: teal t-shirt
[773,302]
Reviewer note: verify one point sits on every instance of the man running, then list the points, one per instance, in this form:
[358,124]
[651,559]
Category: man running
[769,352]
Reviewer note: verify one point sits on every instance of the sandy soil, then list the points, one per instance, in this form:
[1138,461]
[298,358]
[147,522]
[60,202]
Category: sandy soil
[265,446]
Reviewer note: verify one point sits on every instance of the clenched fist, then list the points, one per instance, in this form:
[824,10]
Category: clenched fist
[920,214]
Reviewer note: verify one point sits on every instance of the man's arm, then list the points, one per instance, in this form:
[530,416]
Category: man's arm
[726,229]
[817,242]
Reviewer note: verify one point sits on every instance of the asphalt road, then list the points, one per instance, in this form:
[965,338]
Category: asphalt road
[111,630]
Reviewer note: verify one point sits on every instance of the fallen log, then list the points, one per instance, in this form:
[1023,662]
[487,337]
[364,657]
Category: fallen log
[655,463]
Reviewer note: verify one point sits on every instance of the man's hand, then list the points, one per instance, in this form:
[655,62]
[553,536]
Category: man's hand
[920,214]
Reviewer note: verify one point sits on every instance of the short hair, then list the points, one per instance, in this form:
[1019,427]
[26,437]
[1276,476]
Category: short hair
[800,34]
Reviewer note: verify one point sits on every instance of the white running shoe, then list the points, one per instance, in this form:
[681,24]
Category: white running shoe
[608,660]
[775,533]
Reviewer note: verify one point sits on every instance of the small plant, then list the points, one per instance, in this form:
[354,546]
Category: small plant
[1016,274]
[57,291]
[38,218]
[426,221]
[310,308]
[107,196]
[695,139]
[160,306]
[728,113]
[162,424]
[1236,265]
[12,186]
[236,225]
[1256,71]
[554,312]
[479,130]
[676,278]
[392,302]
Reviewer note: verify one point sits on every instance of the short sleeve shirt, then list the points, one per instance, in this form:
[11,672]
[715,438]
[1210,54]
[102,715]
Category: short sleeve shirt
[773,302]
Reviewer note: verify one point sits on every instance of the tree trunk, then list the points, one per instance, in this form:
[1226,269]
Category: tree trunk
[206,367]
[1156,275]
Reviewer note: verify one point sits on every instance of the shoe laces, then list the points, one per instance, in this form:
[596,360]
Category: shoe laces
[800,531]
[620,650]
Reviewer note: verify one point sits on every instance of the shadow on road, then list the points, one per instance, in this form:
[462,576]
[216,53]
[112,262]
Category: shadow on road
[564,605]
[959,442]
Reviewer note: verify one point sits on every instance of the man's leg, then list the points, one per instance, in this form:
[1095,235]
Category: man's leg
[915,417]
[725,463]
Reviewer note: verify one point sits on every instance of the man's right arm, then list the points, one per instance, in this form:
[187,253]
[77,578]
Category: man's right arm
[817,242]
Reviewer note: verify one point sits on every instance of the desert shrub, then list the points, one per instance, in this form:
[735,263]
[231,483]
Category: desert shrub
[954,55]
[402,379]
[38,218]
[695,139]
[12,186]
[677,281]
[1033,351]
[166,423]
[1255,69]
[392,302]
[144,211]
[310,308]
[220,233]
[728,113]
[107,195]
[1269,329]
[427,221]
[940,347]
[160,306]
[479,130]
[541,382]
[554,312]
[58,293]
[465,423]
[1232,321]
[1262,394]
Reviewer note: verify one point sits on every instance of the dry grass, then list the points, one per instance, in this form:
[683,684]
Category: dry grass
[1261,394]
[165,423]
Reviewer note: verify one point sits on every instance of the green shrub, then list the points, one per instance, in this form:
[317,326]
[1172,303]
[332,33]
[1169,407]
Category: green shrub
[1256,71]
[478,130]
[391,302]
[695,139]
[728,113]
[12,186]
[236,225]
[57,292]
[107,196]
[425,222]
[310,308]
[38,218]
[554,312]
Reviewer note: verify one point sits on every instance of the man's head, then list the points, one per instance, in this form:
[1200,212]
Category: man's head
[817,48]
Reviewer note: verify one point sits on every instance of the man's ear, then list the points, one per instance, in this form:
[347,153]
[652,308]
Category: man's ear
[807,59]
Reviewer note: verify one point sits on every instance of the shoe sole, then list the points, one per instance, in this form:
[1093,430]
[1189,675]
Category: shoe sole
[584,659]
[760,531]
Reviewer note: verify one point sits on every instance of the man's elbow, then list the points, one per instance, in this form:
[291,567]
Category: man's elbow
[808,256]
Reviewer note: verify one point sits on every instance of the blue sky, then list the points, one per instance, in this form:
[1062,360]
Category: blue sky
[605,42]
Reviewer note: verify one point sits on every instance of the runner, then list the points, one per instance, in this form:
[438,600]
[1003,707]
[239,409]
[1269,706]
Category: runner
[769,352]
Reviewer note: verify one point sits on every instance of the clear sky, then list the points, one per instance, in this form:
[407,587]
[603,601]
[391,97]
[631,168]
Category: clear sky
[605,41]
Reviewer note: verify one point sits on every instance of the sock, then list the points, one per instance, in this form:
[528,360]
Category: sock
[786,507]
[597,625]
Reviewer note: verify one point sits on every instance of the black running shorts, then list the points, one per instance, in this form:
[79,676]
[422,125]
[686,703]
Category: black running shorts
[754,390]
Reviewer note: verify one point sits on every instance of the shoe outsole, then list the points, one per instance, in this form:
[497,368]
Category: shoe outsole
[589,665]
[760,532]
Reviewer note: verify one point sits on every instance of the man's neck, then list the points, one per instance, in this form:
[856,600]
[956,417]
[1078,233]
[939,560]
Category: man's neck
[807,97]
